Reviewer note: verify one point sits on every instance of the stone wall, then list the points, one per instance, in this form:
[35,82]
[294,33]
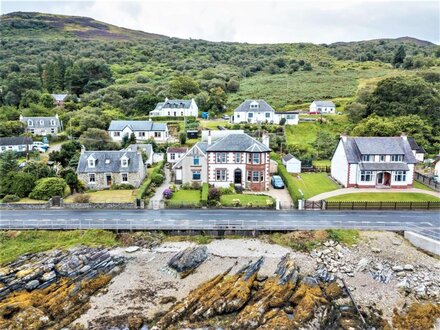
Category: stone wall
[99,205]
[24,206]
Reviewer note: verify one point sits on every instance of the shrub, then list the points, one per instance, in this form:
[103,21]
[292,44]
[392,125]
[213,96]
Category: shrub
[227,191]
[182,137]
[145,189]
[239,189]
[10,198]
[22,184]
[204,198]
[122,186]
[214,195]
[157,179]
[195,186]
[167,193]
[48,187]
[236,202]
[81,198]
[185,186]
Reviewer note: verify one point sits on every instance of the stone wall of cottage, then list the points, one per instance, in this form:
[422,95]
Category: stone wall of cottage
[134,178]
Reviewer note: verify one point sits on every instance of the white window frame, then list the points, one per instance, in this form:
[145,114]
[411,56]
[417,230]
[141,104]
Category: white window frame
[399,176]
[220,175]
[124,162]
[124,175]
[237,157]
[220,157]
[199,173]
[91,163]
[172,156]
[366,158]
[41,122]
[92,175]
[30,122]
[256,175]
[52,122]
[196,163]
[117,134]
[366,174]
[396,158]
[256,158]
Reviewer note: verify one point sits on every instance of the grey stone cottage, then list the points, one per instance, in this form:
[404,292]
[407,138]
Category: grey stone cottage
[100,169]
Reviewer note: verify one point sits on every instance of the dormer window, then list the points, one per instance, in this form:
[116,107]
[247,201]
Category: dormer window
[254,105]
[41,122]
[52,122]
[91,162]
[396,158]
[107,161]
[365,158]
[124,161]
[30,123]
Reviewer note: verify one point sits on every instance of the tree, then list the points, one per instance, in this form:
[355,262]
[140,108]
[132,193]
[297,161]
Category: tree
[11,128]
[324,145]
[72,181]
[233,86]
[67,151]
[182,138]
[97,139]
[375,126]
[217,100]
[87,75]
[39,170]
[22,184]
[46,188]
[8,163]
[47,101]
[356,111]
[399,56]
[30,96]
[182,86]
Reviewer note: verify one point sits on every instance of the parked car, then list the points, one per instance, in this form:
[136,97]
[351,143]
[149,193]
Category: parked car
[37,145]
[436,178]
[226,117]
[39,149]
[277,182]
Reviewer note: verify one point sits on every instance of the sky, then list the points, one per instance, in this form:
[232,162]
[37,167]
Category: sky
[264,21]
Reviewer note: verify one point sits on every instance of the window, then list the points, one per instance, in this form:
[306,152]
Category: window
[124,177]
[220,157]
[262,176]
[250,114]
[366,176]
[172,156]
[237,157]
[141,134]
[365,158]
[32,131]
[41,122]
[220,175]
[267,114]
[92,178]
[396,158]
[381,158]
[238,115]
[400,176]
[196,175]
[52,130]
[196,160]
[290,116]
[3,148]
[255,176]
[249,176]
[116,133]
[91,163]
[157,134]
[124,162]
[52,122]
[30,123]
[256,158]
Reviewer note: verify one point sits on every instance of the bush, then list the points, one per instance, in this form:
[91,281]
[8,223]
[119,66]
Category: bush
[239,189]
[204,198]
[236,202]
[288,181]
[11,199]
[214,195]
[122,186]
[227,191]
[145,189]
[48,187]
[182,137]
[22,184]
[81,198]
[157,179]
[167,193]
[195,186]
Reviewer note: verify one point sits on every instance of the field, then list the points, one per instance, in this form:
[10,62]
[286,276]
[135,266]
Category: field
[109,196]
[385,197]
[312,184]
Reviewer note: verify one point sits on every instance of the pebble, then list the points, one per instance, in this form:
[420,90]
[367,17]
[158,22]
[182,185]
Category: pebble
[397,268]
[376,250]
[408,267]
[132,249]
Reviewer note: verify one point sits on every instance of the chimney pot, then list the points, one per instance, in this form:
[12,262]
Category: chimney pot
[209,138]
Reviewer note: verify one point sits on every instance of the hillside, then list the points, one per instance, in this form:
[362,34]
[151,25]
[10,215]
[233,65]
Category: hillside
[45,26]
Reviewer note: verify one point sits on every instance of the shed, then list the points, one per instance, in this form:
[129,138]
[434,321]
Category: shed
[192,134]
[293,164]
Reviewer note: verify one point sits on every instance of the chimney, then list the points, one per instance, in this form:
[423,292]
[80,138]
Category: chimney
[209,138]
[21,117]
[56,116]
[265,139]
[403,136]
[344,137]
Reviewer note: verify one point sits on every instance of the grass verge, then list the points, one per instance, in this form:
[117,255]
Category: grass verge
[385,197]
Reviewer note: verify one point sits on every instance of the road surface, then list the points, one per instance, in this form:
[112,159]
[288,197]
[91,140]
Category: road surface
[427,222]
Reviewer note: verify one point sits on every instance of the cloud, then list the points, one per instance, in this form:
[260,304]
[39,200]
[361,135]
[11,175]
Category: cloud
[258,21]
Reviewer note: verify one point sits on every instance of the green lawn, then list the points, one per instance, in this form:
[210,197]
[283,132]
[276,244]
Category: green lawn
[385,197]
[190,196]
[108,196]
[312,184]
[245,199]
[16,243]
[322,162]
[212,124]
[419,185]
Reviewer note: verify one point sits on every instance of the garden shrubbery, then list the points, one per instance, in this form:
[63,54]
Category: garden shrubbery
[11,199]
[46,188]
[122,186]
[81,198]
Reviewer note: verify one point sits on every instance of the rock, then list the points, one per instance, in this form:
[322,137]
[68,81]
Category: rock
[32,285]
[397,242]
[408,267]
[401,274]
[48,276]
[362,264]
[85,269]
[132,249]
[135,322]
[189,259]
[326,251]
[167,300]
[376,250]
[397,268]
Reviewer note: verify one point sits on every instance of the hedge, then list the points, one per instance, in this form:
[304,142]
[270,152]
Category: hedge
[143,189]
[204,198]
[289,182]
[171,118]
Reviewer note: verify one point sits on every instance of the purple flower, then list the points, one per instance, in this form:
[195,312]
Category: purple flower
[167,193]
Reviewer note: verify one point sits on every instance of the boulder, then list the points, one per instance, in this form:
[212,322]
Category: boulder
[132,249]
[186,261]
[32,285]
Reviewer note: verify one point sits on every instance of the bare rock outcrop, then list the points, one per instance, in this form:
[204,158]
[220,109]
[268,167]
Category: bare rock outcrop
[186,261]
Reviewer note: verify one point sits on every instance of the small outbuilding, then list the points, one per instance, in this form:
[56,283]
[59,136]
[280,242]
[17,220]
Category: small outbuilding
[292,164]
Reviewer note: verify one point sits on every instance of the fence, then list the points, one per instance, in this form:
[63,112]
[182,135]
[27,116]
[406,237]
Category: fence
[426,180]
[325,169]
[358,205]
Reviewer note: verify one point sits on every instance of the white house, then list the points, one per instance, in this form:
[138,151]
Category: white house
[16,144]
[317,107]
[145,148]
[368,162]
[418,151]
[59,99]
[437,165]
[175,153]
[176,108]
[292,164]
[42,125]
[259,111]
[142,129]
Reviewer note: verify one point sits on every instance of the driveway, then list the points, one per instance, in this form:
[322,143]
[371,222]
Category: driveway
[158,195]
[367,190]
[279,194]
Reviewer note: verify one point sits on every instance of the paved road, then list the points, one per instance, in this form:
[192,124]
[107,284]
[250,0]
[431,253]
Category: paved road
[427,222]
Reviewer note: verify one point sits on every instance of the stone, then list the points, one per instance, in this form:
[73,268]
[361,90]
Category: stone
[401,274]
[376,250]
[326,251]
[132,249]
[32,285]
[408,267]
[135,322]
[397,268]
[48,276]
[362,264]
[85,269]
[397,242]
[184,262]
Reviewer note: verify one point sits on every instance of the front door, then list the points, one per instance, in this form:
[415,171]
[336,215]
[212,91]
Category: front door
[387,178]
[380,178]
[237,176]
[109,179]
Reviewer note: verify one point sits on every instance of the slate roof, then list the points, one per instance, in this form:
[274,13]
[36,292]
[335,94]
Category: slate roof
[15,140]
[148,148]
[238,142]
[174,104]
[288,157]
[201,145]
[111,166]
[415,146]
[320,103]
[137,125]
[36,122]
[246,106]
[365,166]
[177,150]
[355,147]
[59,97]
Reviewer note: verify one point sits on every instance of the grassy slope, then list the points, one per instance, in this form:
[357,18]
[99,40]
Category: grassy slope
[15,244]
[312,184]
[385,197]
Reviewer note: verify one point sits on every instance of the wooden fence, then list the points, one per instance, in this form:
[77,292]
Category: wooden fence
[426,180]
[358,205]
